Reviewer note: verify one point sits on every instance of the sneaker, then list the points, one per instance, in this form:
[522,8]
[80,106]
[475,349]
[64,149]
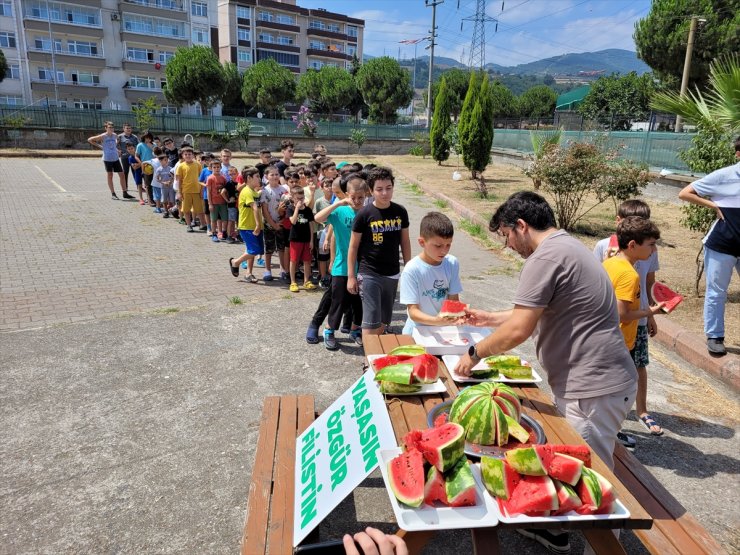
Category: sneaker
[284,276]
[238,239]
[114,196]
[716,346]
[244,265]
[190,229]
[166,214]
[628,441]
[356,336]
[326,282]
[312,335]
[345,330]
[203,227]
[267,277]
[214,238]
[250,279]
[555,543]
[182,221]
[308,286]
[294,288]
[330,342]
[208,233]
[126,195]
[230,241]
[260,262]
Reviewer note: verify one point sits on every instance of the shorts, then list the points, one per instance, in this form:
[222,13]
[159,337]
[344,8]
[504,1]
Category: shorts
[192,201]
[252,242]
[378,293]
[233,213]
[206,208]
[168,195]
[219,212]
[157,194]
[640,351]
[113,167]
[138,179]
[275,239]
[300,252]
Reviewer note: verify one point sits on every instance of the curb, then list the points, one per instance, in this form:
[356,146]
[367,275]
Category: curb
[693,349]
[677,338]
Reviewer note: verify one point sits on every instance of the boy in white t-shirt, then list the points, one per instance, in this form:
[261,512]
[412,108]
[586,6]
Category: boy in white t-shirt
[431,277]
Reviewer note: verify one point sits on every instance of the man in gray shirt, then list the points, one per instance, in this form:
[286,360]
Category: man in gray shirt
[566,302]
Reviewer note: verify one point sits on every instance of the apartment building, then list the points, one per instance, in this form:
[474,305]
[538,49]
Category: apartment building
[295,37]
[111,54]
[104,54]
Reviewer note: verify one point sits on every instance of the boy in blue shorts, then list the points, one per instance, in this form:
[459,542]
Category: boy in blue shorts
[250,224]
[433,276]
[379,231]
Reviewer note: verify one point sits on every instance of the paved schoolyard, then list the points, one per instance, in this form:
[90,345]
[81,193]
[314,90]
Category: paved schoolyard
[131,387]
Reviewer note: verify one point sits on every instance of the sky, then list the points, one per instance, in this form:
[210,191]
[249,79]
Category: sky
[528,30]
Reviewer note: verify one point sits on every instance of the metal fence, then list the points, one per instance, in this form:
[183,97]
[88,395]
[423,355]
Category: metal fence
[68,118]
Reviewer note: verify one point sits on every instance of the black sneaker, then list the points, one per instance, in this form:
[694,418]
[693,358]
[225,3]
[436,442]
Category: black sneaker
[555,543]
[628,441]
[127,196]
[716,346]
[330,342]
[114,196]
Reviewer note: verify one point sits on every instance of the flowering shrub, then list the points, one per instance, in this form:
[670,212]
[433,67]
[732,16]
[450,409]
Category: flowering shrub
[304,121]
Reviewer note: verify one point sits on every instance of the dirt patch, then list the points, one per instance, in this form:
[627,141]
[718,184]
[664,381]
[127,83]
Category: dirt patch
[678,246]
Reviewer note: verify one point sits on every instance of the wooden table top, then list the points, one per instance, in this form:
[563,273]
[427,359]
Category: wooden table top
[410,412]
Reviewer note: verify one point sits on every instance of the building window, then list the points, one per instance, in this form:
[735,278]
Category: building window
[265,37]
[314,64]
[11,100]
[316,24]
[167,109]
[242,12]
[165,57]
[242,33]
[285,19]
[64,13]
[336,47]
[243,55]
[200,35]
[46,74]
[13,71]
[316,45]
[351,50]
[351,31]
[282,58]
[82,48]
[6,8]
[265,16]
[7,39]
[199,9]
[139,54]
[282,39]
[85,77]
[334,28]
[142,82]
[44,44]
[153,26]
[87,104]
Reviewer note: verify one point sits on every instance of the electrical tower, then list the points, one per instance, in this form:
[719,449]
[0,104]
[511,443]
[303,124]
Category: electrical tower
[478,44]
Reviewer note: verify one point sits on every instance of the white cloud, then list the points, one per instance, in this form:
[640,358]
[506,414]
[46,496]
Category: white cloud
[383,36]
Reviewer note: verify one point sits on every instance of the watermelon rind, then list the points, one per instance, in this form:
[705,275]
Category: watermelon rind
[517,372]
[568,499]
[503,361]
[487,374]
[589,490]
[402,373]
[502,428]
[411,350]
[517,430]
[443,446]
[406,477]
[391,388]
[480,410]
[434,489]
[526,461]
[499,477]
[460,485]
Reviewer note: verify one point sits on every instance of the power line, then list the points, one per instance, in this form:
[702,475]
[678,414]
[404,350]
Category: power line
[478,44]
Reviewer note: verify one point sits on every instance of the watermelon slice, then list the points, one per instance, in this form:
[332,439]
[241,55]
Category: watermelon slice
[580,452]
[565,468]
[452,309]
[499,477]
[613,247]
[426,368]
[608,495]
[397,373]
[503,361]
[442,446]
[411,440]
[460,485]
[533,493]
[410,350]
[567,498]
[589,490]
[663,294]
[527,461]
[388,360]
[406,476]
[434,489]
[517,430]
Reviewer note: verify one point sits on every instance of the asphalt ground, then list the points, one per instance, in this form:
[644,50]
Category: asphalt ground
[132,385]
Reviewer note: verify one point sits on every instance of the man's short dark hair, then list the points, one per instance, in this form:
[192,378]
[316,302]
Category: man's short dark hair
[168,140]
[637,229]
[286,143]
[265,151]
[157,151]
[379,173]
[525,205]
[328,164]
[633,207]
[356,167]
[436,224]
[345,179]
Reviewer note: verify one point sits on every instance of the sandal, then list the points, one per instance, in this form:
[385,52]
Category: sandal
[250,278]
[649,423]
[234,269]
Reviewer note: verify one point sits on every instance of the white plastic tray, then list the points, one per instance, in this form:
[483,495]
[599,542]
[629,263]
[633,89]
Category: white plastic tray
[620,512]
[440,518]
[448,340]
[426,388]
[452,360]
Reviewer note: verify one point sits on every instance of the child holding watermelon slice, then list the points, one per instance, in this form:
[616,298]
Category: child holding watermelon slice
[606,248]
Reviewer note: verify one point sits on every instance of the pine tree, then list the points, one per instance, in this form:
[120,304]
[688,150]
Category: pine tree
[440,124]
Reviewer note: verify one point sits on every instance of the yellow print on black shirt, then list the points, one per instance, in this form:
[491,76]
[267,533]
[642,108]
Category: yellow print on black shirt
[378,227]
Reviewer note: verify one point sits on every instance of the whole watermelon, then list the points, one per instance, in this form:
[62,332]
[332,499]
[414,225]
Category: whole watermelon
[481,410]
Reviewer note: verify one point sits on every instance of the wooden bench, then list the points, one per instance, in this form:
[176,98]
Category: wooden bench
[268,527]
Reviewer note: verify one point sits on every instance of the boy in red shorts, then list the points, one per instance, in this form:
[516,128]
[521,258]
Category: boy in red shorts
[301,217]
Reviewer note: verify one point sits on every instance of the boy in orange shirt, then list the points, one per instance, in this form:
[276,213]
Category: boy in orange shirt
[216,202]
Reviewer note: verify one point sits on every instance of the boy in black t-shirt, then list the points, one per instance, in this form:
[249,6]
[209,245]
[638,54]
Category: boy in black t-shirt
[301,217]
[380,229]
[228,191]
[287,147]
[265,157]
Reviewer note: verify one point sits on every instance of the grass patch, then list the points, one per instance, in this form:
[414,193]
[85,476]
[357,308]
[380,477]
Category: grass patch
[471,228]
[439,203]
[166,310]
[236,300]
[416,189]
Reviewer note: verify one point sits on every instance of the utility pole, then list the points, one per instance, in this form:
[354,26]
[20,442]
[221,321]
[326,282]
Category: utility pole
[433,35]
[695,20]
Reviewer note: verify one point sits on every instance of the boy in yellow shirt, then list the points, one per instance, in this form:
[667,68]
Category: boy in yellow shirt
[188,187]
[250,223]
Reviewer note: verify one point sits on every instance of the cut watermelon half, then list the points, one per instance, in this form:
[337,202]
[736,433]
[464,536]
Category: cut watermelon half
[663,294]
[426,368]
[406,476]
[389,360]
[452,309]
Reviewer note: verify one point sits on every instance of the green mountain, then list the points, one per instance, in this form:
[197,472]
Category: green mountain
[605,62]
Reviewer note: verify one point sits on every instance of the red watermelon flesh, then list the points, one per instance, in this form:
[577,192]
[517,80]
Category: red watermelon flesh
[406,476]
[443,446]
[411,440]
[441,419]
[382,362]
[544,454]
[434,489]
[581,452]
[533,493]
[663,294]
[589,490]
[565,468]
[567,498]
[426,368]
[452,309]
[608,496]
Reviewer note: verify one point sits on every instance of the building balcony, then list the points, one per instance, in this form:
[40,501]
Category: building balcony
[168,5]
[69,88]
[62,28]
[244,43]
[327,34]
[141,65]
[279,26]
[152,39]
[61,57]
[135,94]
[280,47]
[328,54]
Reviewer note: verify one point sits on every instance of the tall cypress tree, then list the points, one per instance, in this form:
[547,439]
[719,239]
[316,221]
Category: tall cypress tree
[440,124]
[479,136]
[466,117]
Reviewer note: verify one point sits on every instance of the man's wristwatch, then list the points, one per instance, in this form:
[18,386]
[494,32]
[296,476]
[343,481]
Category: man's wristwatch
[473,354]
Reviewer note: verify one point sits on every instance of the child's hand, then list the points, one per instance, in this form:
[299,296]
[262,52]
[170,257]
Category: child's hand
[352,286]
[178,196]
[657,309]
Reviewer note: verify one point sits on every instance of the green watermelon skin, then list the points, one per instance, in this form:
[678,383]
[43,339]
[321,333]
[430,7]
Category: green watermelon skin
[499,478]
[402,373]
[589,491]
[503,361]
[526,461]
[533,494]
[460,485]
[434,489]
[390,388]
[442,446]
[478,409]
[487,374]
[517,430]
[568,499]
[406,477]
[410,350]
